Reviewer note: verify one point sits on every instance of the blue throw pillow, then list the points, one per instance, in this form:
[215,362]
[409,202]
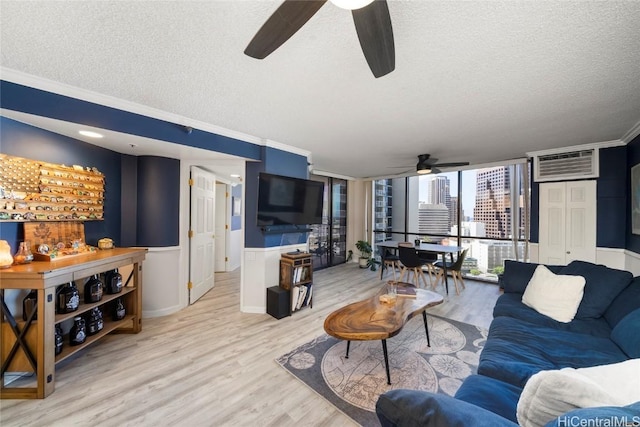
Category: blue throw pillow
[603,284]
[627,334]
[517,274]
[626,301]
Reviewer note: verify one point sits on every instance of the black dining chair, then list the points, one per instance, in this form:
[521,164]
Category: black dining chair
[455,268]
[411,261]
[390,260]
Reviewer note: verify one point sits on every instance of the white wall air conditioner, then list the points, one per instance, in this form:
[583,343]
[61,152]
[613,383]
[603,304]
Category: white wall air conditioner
[566,166]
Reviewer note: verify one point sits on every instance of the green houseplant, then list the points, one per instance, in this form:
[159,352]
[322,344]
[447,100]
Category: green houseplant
[366,260]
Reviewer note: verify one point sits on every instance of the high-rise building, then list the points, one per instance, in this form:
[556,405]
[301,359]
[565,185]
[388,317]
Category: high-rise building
[433,219]
[493,203]
[440,194]
[382,213]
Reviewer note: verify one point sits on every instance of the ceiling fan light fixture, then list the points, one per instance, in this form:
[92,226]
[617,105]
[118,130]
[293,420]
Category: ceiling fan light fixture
[423,169]
[351,4]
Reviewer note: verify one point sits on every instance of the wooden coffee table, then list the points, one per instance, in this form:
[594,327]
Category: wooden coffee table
[371,319]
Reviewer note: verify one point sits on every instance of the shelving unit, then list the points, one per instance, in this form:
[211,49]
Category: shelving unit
[296,276]
[39,191]
[29,346]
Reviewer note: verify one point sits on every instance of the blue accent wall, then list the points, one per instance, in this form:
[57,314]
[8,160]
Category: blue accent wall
[18,139]
[34,101]
[276,162]
[158,212]
[632,241]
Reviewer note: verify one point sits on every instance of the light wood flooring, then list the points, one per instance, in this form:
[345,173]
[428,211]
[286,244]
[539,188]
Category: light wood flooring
[211,365]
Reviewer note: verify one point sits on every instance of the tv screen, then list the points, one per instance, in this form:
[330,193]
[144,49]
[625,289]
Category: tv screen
[284,200]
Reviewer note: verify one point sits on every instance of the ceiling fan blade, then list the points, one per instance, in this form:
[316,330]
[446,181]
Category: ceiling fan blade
[285,21]
[373,25]
[451,165]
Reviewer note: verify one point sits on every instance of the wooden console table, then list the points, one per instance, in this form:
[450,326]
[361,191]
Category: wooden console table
[29,346]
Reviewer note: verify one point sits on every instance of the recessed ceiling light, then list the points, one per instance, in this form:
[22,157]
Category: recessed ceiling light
[90,134]
[234,175]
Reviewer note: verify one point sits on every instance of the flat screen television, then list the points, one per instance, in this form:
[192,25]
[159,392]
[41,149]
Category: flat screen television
[283,200]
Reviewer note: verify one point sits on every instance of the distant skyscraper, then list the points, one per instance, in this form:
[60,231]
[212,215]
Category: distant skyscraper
[493,201]
[440,194]
[382,209]
[433,219]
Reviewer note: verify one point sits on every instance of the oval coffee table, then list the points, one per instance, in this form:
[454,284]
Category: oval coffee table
[371,319]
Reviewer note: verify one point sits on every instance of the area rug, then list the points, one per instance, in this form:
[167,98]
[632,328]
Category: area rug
[354,384]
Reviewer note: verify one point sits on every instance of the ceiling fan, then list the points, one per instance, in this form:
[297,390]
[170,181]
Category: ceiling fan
[371,18]
[427,164]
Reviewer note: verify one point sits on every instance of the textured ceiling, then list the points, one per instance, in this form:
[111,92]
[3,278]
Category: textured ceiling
[474,81]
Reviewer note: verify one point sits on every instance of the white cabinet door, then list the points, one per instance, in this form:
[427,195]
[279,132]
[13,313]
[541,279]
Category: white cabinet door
[202,233]
[567,222]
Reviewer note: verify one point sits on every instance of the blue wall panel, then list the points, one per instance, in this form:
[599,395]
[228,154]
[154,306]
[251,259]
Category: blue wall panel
[611,198]
[158,201]
[34,101]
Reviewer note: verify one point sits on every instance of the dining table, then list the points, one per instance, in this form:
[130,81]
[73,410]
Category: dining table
[432,248]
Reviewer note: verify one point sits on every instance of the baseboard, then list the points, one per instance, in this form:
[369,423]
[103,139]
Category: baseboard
[254,310]
[148,314]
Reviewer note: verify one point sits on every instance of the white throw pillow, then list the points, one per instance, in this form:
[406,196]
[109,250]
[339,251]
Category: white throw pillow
[554,295]
[549,394]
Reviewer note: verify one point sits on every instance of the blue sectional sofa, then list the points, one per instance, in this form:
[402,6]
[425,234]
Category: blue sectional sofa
[523,342]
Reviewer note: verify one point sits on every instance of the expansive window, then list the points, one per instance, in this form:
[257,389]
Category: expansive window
[328,241]
[484,210]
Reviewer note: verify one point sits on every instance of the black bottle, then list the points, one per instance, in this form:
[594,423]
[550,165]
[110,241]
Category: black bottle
[68,298]
[112,282]
[118,310]
[94,321]
[93,290]
[30,303]
[59,341]
[78,332]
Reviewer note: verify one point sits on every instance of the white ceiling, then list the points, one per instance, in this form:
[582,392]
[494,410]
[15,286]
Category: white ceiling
[474,81]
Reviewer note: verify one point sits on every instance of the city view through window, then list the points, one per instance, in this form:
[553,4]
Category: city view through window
[482,210]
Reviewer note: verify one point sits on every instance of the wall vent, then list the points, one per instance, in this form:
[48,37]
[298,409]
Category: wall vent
[564,166]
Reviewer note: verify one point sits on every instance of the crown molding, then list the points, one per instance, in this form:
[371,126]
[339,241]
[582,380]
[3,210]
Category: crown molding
[284,147]
[632,134]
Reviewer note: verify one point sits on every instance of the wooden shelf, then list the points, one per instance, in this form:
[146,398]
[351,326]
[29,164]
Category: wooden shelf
[296,271]
[87,307]
[109,325]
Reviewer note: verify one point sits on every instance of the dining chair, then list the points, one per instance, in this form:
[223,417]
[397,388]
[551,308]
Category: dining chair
[390,260]
[412,262]
[455,268]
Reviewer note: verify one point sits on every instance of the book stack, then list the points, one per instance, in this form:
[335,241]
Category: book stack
[301,295]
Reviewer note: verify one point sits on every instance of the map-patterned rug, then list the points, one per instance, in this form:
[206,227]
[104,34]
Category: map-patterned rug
[354,384]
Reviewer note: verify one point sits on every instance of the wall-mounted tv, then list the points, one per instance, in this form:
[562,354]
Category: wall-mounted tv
[283,200]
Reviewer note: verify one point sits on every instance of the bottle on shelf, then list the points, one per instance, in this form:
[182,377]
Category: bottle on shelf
[58,339]
[68,298]
[24,255]
[113,282]
[93,290]
[118,310]
[78,333]
[94,321]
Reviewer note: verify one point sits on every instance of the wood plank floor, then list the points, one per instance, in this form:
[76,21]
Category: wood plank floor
[211,365]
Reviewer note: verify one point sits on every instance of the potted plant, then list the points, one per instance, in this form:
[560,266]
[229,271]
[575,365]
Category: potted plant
[366,260]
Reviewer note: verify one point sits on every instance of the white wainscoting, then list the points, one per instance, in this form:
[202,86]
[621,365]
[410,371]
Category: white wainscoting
[621,259]
[161,282]
[261,270]
[632,262]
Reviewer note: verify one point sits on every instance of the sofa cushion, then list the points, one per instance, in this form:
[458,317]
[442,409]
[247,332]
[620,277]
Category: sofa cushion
[627,335]
[515,350]
[414,408]
[517,274]
[554,295]
[549,394]
[626,301]
[603,284]
[511,305]
[601,416]
[493,395]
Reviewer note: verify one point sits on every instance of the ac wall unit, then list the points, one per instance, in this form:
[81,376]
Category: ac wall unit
[566,166]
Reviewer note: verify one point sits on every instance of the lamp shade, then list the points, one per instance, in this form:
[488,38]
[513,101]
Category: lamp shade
[5,254]
[351,4]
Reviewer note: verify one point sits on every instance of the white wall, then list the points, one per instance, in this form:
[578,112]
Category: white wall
[160,282]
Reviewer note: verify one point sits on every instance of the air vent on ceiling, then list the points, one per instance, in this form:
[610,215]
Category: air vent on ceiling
[569,165]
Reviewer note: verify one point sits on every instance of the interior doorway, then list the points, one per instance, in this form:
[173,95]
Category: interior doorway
[201,232]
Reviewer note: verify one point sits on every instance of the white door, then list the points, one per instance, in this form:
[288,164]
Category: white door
[567,222]
[202,233]
[222,227]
